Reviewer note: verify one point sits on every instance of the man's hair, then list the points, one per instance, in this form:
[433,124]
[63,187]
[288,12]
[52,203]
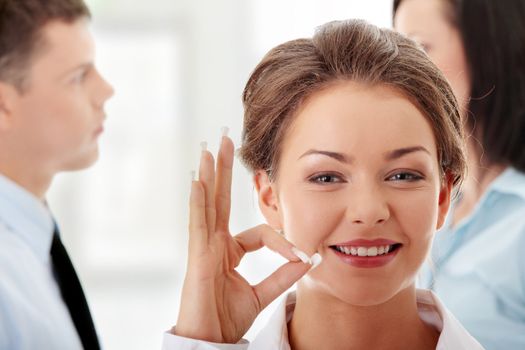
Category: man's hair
[345,51]
[21,23]
[493,35]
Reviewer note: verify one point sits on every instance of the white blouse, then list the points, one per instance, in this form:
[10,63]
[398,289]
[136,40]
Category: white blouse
[275,334]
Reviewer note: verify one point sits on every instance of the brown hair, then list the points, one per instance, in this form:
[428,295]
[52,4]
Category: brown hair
[345,50]
[21,22]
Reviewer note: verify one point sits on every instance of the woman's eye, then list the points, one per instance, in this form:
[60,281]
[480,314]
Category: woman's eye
[326,178]
[410,177]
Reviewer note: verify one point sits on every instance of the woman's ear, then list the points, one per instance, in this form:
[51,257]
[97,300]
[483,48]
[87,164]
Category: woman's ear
[268,200]
[445,197]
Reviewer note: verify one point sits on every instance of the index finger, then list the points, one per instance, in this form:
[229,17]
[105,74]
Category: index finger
[264,236]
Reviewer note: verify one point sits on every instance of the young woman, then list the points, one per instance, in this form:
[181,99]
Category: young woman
[479,270]
[354,139]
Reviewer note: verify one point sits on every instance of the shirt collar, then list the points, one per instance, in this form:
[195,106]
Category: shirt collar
[452,333]
[275,334]
[26,216]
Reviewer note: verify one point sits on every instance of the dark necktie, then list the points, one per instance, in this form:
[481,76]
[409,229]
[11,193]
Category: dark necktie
[72,294]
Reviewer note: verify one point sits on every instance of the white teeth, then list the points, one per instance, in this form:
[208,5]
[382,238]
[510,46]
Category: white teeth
[372,251]
[364,251]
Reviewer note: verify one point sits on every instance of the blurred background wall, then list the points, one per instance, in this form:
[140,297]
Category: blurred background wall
[178,68]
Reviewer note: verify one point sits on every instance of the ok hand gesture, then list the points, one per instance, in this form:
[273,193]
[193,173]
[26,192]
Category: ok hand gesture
[217,303]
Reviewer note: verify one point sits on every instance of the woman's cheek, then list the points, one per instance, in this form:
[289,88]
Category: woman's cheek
[310,218]
[417,215]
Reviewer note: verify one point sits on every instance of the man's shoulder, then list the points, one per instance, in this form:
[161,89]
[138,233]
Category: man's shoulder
[18,263]
[12,259]
[10,244]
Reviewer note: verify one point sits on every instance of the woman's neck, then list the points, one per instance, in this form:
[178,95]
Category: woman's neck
[479,178]
[321,321]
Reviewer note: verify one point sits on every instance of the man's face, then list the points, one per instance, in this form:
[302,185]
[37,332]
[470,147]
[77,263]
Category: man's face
[59,116]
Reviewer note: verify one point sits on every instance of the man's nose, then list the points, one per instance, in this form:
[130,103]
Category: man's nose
[104,90]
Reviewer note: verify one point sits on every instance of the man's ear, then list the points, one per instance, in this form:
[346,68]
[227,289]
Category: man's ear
[445,197]
[7,94]
[268,200]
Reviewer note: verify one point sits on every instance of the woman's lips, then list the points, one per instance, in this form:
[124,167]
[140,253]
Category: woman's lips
[367,253]
[368,243]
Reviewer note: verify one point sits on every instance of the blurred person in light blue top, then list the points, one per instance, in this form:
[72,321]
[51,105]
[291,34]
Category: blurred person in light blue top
[478,266]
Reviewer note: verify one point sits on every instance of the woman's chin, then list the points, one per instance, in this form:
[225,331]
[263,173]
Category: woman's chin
[357,292]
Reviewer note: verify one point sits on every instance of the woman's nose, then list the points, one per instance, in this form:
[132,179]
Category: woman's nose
[368,206]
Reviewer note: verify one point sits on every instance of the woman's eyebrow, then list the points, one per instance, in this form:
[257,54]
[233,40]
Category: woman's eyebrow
[391,155]
[398,153]
[340,157]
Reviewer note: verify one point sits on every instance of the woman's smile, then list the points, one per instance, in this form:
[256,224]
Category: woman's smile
[367,253]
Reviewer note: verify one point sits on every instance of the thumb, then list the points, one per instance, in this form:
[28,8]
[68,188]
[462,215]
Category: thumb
[279,281]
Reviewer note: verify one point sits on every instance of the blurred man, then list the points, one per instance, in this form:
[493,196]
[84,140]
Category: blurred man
[51,115]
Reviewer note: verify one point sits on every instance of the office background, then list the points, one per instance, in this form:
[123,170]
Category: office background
[178,68]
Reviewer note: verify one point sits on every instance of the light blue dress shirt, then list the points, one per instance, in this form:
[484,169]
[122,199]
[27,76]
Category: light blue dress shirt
[478,266]
[32,313]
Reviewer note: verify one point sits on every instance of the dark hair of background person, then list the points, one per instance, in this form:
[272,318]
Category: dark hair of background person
[493,35]
[345,51]
[21,22]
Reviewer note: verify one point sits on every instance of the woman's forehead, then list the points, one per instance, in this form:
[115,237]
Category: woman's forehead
[356,116]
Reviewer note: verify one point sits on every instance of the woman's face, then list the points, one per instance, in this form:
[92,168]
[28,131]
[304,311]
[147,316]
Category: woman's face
[358,173]
[425,22]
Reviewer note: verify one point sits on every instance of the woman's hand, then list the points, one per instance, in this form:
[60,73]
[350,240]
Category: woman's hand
[218,304]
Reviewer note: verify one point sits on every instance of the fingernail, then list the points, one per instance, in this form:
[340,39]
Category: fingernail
[204,146]
[301,255]
[225,130]
[193,175]
[316,260]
